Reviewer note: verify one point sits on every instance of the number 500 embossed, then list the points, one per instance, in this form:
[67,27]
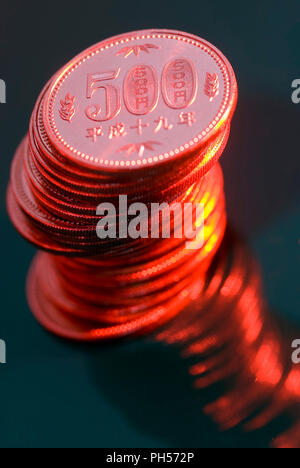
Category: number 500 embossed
[141,88]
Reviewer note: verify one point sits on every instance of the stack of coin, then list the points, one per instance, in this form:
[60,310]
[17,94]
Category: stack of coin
[143,116]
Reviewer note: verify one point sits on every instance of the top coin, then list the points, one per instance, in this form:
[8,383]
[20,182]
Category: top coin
[139,99]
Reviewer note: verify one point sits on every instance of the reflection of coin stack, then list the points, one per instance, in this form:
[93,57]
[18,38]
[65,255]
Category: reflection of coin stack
[239,356]
[147,115]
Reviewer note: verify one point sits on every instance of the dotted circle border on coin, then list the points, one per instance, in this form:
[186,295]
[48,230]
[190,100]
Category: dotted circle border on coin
[160,157]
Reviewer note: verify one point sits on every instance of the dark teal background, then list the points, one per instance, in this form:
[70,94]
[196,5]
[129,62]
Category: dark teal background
[138,394]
